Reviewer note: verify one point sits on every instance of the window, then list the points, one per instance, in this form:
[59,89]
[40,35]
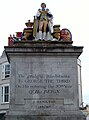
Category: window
[5,70]
[5,93]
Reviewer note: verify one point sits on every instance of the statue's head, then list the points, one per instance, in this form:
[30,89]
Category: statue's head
[43,5]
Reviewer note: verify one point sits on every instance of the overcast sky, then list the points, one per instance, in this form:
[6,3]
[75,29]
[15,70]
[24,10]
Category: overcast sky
[71,14]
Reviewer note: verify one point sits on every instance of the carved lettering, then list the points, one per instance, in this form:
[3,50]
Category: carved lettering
[43,84]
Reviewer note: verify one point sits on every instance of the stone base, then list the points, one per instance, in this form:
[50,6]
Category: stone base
[52,67]
[44,117]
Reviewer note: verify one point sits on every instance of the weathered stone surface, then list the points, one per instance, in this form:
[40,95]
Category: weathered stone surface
[44,117]
[44,82]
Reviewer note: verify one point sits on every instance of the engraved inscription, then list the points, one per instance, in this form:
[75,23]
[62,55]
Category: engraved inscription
[43,83]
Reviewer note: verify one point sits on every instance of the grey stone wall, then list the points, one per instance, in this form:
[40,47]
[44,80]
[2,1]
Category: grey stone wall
[44,82]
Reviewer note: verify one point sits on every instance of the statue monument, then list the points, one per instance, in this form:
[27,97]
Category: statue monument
[43,23]
[44,73]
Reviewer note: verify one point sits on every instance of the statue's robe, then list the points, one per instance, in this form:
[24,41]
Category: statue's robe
[38,17]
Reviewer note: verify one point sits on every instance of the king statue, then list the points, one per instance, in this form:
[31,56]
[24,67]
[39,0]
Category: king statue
[43,24]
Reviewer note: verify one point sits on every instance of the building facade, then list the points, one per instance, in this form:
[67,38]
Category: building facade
[4,84]
[80,83]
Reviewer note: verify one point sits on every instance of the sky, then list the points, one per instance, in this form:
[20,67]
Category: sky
[70,14]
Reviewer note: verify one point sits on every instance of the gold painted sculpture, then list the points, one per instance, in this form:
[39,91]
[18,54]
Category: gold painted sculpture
[28,32]
[56,33]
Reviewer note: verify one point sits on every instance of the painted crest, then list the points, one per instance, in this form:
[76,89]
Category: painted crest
[65,35]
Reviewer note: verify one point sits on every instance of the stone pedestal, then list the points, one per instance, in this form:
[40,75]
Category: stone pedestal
[44,81]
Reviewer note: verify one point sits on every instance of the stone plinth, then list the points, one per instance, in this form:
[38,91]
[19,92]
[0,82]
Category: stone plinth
[44,81]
